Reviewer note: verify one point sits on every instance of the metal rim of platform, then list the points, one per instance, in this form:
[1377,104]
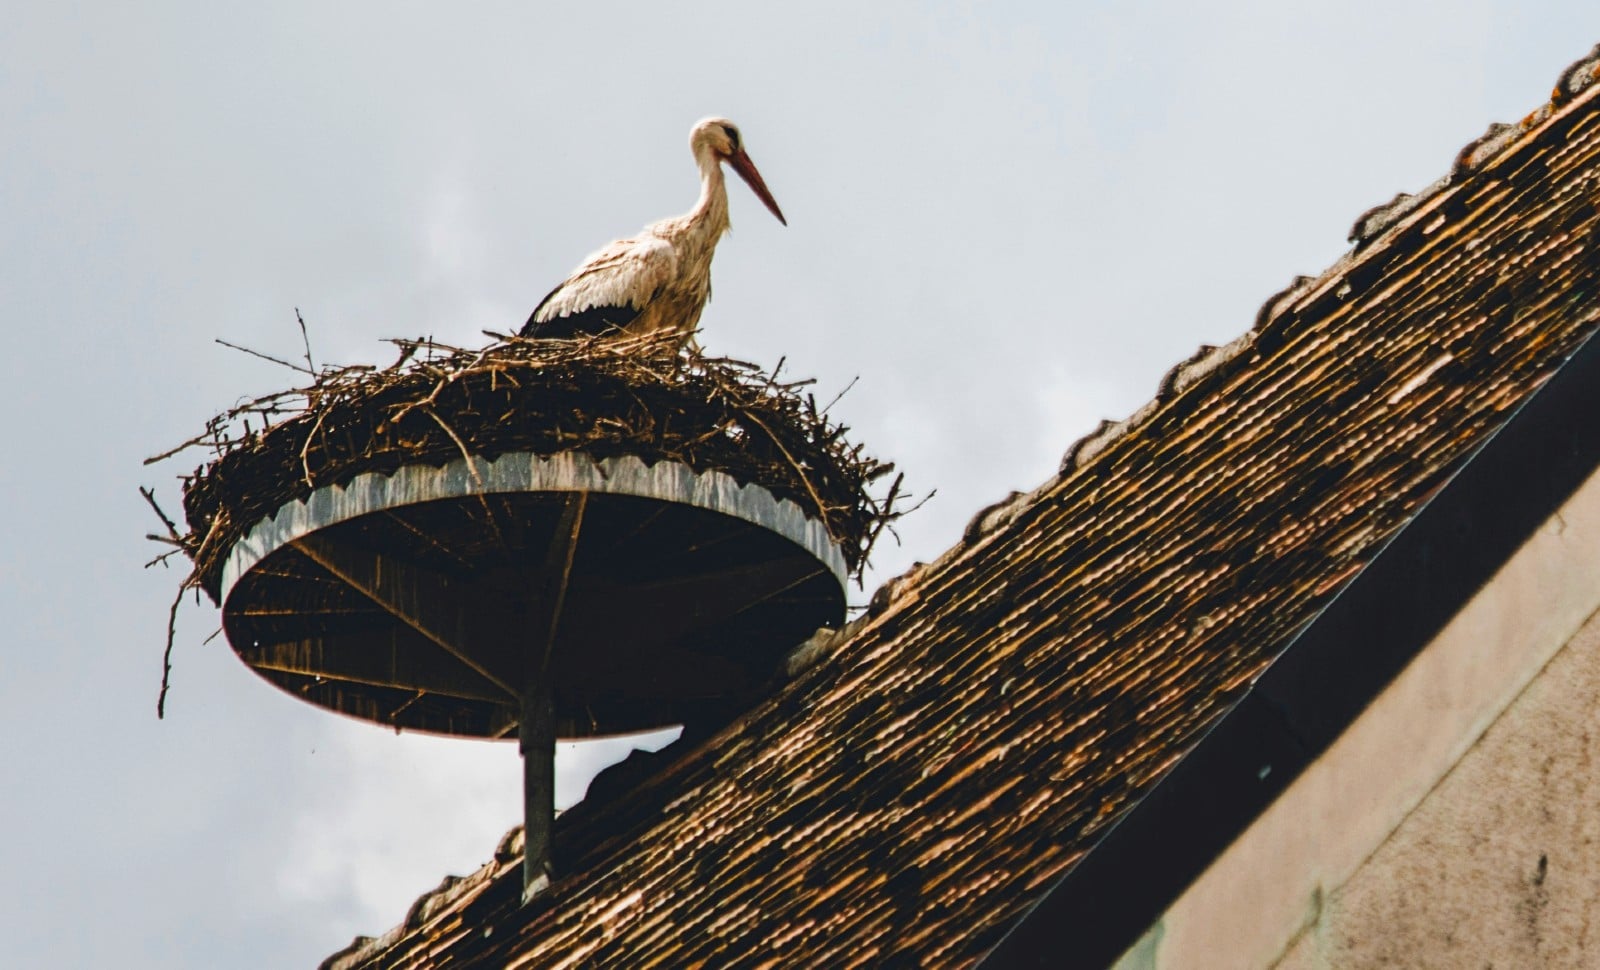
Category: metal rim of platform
[523,472]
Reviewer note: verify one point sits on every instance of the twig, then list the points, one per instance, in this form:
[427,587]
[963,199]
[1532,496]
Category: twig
[198,439]
[836,397]
[257,353]
[920,503]
[166,657]
[408,349]
[205,543]
[162,559]
[426,403]
[305,338]
[172,528]
[466,455]
[477,479]
[882,522]
[305,449]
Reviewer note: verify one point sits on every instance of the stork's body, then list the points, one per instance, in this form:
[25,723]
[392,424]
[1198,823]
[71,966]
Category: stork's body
[658,281]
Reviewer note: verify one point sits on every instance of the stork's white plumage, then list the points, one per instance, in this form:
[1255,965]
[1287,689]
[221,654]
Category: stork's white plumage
[659,280]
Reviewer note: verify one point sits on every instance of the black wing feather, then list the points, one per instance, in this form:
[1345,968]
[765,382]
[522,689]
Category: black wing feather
[590,322]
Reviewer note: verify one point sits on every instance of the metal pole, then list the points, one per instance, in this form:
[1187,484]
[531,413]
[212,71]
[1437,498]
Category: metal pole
[537,731]
[537,738]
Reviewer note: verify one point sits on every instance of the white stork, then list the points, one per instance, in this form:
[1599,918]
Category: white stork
[660,279]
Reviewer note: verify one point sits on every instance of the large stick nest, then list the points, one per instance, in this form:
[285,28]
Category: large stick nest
[607,398]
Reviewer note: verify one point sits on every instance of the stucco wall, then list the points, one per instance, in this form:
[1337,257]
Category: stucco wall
[1500,865]
[1415,840]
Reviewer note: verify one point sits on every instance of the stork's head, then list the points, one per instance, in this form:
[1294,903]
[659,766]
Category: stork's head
[720,139]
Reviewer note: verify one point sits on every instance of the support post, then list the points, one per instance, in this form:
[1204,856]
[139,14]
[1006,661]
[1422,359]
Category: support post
[536,735]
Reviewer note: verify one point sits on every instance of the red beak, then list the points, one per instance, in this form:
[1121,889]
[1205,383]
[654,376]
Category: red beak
[747,170]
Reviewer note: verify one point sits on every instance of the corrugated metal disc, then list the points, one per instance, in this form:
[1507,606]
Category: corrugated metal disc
[420,599]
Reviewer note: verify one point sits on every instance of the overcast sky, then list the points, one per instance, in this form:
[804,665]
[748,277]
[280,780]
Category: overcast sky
[1008,220]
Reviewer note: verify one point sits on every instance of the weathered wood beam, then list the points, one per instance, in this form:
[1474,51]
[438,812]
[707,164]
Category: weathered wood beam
[399,657]
[459,618]
[550,586]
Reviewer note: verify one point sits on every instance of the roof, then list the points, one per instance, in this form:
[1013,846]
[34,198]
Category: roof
[958,750]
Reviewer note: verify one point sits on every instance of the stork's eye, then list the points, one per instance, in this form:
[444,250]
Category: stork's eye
[733,135]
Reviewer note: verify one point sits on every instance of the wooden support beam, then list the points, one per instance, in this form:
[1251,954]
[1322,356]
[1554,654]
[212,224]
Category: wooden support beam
[398,657]
[550,586]
[723,592]
[459,618]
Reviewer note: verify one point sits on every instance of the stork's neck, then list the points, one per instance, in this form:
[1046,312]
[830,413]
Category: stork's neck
[709,218]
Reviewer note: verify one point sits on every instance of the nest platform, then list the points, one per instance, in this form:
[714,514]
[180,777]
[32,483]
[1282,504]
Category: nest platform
[636,536]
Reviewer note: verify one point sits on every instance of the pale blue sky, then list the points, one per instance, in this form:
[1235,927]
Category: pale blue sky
[1008,219]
